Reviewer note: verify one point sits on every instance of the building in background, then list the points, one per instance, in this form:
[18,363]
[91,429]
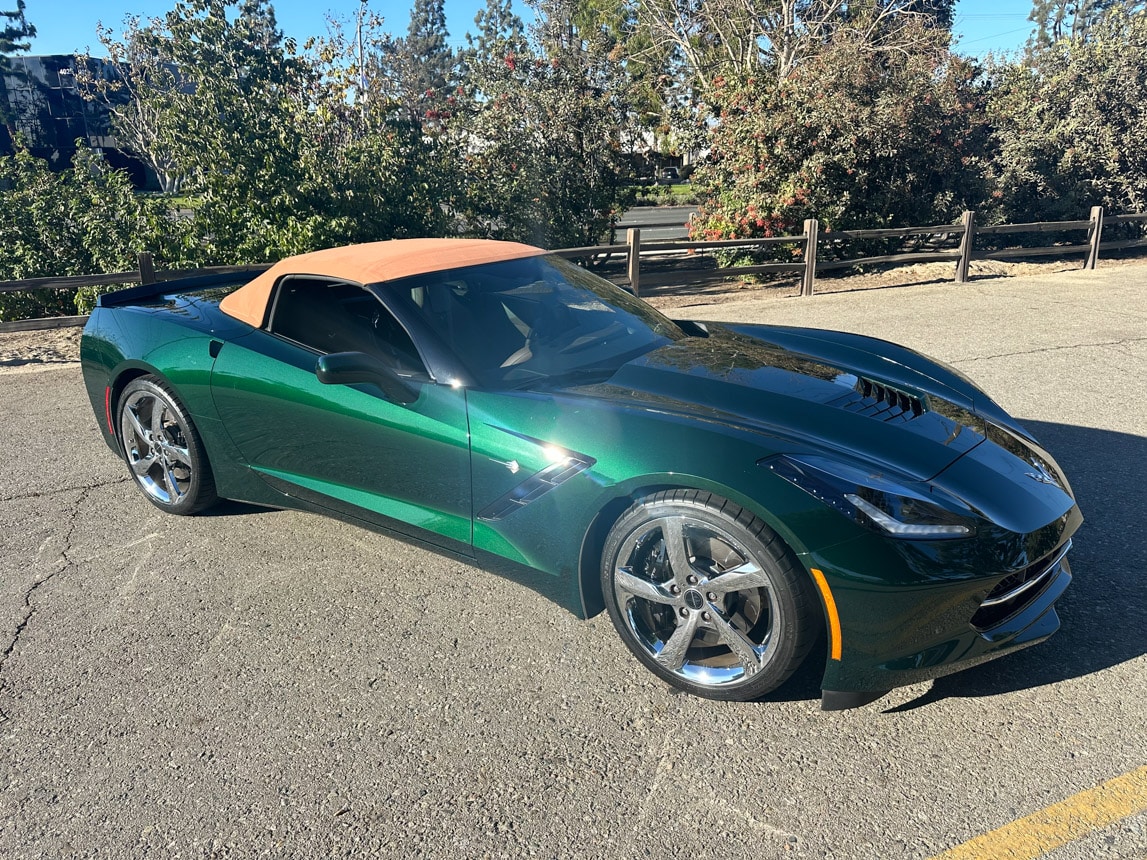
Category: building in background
[42,104]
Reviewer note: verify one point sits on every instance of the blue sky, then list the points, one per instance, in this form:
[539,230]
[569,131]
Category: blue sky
[65,26]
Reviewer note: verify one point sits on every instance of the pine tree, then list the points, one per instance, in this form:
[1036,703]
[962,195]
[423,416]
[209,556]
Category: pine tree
[14,31]
[424,68]
[498,27]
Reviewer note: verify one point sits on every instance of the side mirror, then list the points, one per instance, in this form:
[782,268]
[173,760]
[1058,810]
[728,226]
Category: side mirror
[350,368]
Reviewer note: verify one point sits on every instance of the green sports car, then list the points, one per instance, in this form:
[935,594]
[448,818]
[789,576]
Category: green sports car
[730,494]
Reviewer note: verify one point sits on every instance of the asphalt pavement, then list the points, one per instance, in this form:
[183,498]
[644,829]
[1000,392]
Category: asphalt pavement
[256,683]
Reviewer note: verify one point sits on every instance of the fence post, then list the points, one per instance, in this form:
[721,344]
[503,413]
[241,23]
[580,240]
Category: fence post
[966,244]
[146,268]
[633,239]
[811,229]
[1096,236]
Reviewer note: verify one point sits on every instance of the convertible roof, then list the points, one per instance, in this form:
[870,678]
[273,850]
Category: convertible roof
[371,263]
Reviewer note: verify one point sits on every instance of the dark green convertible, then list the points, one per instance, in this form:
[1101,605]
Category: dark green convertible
[731,494]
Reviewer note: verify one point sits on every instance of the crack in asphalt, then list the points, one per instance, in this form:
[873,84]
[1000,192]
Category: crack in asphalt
[29,606]
[1097,306]
[47,494]
[1123,342]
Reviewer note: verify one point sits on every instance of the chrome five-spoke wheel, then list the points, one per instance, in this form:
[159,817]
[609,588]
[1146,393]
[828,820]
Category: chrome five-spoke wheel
[162,448]
[706,595]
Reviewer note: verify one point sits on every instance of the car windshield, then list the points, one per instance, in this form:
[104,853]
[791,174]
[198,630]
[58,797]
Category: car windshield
[540,319]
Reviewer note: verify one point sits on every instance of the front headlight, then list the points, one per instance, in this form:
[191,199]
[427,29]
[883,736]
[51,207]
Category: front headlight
[898,507]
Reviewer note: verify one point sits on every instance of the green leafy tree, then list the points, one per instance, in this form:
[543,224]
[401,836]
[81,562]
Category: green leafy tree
[546,133]
[74,222]
[499,30]
[852,137]
[241,129]
[276,156]
[382,175]
[683,52]
[1071,122]
[14,37]
[145,96]
[282,151]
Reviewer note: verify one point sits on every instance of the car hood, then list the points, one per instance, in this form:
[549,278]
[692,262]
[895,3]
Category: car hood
[882,402]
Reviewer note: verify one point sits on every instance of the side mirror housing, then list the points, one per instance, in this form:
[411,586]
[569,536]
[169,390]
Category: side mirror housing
[351,368]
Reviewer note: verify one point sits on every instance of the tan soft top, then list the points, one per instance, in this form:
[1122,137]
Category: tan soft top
[371,263]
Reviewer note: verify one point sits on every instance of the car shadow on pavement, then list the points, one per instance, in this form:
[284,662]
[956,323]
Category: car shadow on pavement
[229,508]
[1104,611]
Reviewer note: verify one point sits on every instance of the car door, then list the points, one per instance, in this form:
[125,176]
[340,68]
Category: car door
[347,448]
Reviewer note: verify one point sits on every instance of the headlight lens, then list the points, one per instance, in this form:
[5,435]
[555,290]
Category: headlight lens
[901,508]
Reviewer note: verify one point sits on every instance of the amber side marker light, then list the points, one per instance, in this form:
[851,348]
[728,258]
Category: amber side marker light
[833,617]
[108,408]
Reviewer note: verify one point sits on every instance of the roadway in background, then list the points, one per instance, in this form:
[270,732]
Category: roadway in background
[257,683]
[658,223]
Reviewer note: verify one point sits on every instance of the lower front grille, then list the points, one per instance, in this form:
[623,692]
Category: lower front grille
[1017,590]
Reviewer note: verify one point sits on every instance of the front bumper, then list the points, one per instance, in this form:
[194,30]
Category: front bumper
[926,627]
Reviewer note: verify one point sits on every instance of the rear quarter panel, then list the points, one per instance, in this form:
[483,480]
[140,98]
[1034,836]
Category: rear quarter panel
[170,339]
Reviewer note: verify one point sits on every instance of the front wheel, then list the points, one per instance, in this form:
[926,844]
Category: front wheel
[162,448]
[706,595]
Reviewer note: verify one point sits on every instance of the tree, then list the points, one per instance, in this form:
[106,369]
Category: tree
[145,95]
[1070,124]
[381,174]
[1070,19]
[498,29]
[742,38]
[679,49]
[545,136]
[238,132]
[281,151]
[17,31]
[422,69]
[852,137]
[73,222]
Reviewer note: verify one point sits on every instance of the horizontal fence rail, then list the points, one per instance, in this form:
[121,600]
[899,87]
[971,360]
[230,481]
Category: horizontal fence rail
[805,246]
[146,273]
[811,242]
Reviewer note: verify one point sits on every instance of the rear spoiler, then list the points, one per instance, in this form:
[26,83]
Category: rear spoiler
[238,276]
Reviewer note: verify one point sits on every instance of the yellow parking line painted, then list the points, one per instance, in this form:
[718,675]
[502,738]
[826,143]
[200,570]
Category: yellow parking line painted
[1033,835]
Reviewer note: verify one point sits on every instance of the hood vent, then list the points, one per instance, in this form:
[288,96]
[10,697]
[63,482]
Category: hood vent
[880,401]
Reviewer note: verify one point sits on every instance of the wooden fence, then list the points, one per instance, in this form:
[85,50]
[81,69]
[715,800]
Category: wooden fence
[812,240]
[806,246]
[144,274]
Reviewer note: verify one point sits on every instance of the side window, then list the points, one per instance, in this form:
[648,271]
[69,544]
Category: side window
[334,316]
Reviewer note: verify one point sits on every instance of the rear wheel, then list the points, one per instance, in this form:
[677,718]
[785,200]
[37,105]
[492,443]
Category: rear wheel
[163,449]
[706,595]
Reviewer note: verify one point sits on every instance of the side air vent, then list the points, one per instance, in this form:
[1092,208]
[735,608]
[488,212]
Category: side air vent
[535,486]
[880,402]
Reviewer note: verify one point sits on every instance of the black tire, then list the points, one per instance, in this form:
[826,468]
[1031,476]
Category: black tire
[162,448]
[729,616]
